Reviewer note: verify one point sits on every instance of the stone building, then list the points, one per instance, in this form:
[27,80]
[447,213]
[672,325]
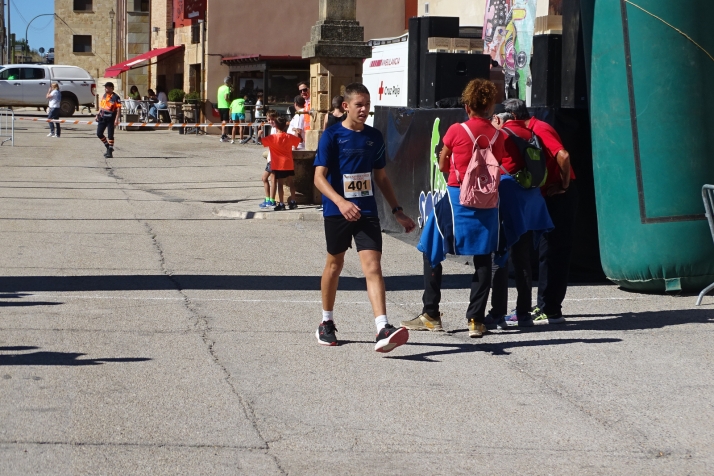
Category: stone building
[246,39]
[87,36]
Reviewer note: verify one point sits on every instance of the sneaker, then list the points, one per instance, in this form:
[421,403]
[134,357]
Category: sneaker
[424,322]
[391,337]
[56,136]
[543,318]
[520,320]
[491,322]
[325,333]
[476,329]
[50,134]
[223,139]
[232,141]
[292,204]
[267,204]
[279,207]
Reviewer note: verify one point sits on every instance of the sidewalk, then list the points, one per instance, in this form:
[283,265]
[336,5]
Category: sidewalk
[142,332]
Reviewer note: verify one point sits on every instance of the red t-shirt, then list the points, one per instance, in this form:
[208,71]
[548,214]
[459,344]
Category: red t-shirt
[552,144]
[461,145]
[281,150]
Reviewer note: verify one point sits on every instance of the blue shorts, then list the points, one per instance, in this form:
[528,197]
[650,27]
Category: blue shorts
[238,116]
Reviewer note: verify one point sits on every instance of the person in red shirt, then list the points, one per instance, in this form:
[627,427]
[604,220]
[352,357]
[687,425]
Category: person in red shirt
[475,230]
[281,146]
[561,198]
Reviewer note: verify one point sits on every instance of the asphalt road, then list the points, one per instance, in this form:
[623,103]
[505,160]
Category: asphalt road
[145,331]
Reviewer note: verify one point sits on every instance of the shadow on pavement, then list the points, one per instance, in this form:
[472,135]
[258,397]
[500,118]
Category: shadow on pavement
[28,303]
[55,358]
[634,321]
[214,282]
[492,348]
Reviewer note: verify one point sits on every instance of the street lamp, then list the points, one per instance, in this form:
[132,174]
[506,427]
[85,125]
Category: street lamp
[111,37]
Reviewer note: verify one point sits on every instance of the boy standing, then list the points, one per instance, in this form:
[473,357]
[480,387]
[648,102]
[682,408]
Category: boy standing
[238,116]
[297,123]
[269,189]
[350,160]
[281,162]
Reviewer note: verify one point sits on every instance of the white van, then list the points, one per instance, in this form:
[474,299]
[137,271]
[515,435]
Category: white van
[26,85]
[386,73]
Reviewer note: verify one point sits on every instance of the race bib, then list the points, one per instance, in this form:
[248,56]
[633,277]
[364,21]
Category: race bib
[357,185]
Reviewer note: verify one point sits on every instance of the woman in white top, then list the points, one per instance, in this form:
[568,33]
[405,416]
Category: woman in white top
[55,97]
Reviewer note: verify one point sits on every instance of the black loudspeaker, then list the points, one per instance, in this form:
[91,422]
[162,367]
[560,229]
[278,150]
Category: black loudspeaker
[414,62]
[420,30]
[573,93]
[546,68]
[447,74]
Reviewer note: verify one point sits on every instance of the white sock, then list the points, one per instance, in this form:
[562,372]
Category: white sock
[380,322]
[326,315]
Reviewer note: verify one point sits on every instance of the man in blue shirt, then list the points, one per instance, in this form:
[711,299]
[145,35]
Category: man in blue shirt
[350,161]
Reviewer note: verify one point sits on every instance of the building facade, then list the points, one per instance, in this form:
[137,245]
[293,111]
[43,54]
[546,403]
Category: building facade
[86,35]
[212,30]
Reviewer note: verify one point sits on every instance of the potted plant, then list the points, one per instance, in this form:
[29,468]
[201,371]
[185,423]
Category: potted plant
[175,100]
[190,107]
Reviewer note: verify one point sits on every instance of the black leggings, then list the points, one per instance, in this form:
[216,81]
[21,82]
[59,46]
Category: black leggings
[480,286]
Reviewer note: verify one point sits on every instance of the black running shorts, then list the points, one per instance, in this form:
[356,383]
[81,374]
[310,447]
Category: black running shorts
[283,174]
[225,114]
[339,233]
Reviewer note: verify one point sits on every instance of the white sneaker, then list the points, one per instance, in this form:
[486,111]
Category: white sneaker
[50,134]
[222,139]
[56,136]
[232,141]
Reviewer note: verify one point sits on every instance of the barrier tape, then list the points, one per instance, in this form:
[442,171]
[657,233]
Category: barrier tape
[170,125]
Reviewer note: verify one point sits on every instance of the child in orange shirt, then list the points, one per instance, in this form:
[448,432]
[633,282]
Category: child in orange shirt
[281,161]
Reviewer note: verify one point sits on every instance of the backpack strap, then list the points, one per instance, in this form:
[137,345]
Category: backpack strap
[473,140]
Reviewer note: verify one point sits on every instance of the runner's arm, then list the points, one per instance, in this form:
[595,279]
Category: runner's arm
[385,186]
[445,160]
[348,209]
[563,159]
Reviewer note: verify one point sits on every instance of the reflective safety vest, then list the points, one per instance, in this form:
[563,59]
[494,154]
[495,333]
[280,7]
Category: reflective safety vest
[110,104]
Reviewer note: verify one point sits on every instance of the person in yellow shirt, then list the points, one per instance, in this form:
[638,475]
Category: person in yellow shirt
[224,104]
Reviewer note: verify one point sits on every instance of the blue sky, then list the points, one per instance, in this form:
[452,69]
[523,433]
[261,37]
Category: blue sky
[42,30]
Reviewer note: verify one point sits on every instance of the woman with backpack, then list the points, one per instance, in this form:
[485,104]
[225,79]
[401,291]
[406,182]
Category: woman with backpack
[466,220]
[524,219]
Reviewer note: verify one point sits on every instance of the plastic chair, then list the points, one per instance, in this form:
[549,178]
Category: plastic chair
[708,197]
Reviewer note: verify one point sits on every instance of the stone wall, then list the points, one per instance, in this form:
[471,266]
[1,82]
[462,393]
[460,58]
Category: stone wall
[95,23]
[138,37]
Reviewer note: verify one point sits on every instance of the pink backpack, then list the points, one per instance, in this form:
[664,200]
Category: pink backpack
[479,188]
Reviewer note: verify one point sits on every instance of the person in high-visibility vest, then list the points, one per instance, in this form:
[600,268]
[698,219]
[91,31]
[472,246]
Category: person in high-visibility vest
[108,117]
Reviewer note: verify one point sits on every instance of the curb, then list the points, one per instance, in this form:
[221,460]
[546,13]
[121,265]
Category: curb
[287,215]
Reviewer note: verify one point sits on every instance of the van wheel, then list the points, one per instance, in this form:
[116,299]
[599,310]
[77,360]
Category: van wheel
[67,107]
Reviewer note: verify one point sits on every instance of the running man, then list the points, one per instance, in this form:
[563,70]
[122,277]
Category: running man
[108,117]
[350,161]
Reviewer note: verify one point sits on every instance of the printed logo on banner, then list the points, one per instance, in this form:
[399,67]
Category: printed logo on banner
[388,91]
[437,183]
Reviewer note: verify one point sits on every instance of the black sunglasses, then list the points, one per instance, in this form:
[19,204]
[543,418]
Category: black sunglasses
[304,90]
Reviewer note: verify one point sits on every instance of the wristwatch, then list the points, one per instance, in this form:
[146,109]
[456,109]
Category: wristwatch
[397,209]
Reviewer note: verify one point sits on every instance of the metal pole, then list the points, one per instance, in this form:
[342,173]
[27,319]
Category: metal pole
[11,47]
[111,43]
[27,41]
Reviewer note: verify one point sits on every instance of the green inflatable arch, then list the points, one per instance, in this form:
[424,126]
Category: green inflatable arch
[652,111]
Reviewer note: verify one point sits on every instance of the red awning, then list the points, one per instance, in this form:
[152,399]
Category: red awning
[135,62]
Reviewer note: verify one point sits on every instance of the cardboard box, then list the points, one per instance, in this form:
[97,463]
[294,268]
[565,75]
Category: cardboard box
[438,44]
[460,45]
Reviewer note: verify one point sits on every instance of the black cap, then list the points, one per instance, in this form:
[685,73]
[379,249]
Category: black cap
[109,85]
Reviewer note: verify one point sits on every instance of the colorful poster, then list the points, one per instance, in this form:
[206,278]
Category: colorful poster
[508,38]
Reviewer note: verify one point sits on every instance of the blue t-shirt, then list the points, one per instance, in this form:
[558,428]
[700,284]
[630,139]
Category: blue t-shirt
[344,151]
